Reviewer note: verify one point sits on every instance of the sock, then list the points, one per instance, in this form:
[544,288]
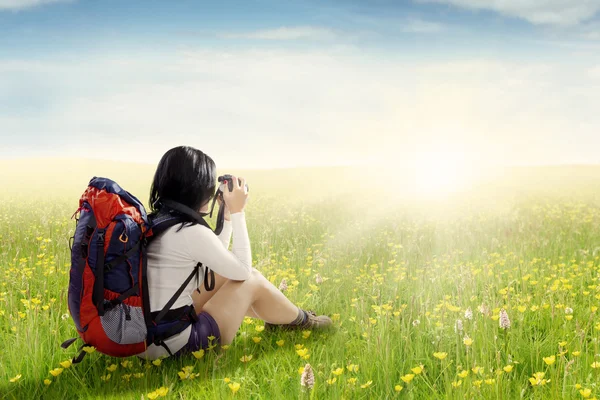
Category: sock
[300,319]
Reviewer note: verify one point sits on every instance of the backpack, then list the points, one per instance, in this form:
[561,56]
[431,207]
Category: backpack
[108,287]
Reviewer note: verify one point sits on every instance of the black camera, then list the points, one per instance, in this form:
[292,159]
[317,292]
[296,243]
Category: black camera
[229,180]
[225,181]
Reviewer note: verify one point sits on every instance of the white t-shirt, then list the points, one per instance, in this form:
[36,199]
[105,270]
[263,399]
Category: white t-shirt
[172,257]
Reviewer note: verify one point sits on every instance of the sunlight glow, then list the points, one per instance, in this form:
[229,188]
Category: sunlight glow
[440,172]
[434,170]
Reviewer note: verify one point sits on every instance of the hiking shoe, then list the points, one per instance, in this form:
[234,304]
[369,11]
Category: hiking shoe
[312,321]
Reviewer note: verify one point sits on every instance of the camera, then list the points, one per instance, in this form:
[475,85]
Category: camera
[219,194]
[229,179]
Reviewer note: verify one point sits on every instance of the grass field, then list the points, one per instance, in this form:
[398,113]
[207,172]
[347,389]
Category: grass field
[416,285]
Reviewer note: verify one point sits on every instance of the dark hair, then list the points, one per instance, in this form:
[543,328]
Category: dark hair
[185,175]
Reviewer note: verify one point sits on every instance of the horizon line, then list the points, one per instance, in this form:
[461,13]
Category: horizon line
[66,159]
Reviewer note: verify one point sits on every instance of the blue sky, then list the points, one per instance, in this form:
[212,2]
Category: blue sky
[277,84]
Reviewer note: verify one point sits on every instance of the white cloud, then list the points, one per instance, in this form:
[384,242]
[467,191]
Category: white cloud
[24,4]
[421,26]
[594,72]
[258,108]
[551,12]
[283,33]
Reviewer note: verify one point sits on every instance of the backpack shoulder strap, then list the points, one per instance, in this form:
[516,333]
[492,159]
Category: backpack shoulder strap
[167,307]
[162,222]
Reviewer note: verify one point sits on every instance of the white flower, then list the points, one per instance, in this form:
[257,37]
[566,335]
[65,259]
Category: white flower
[504,321]
[308,377]
[568,310]
[319,279]
[416,322]
[468,313]
[283,285]
[484,309]
[458,326]
[64,316]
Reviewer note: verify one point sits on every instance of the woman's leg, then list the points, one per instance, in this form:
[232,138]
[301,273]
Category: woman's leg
[201,298]
[230,304]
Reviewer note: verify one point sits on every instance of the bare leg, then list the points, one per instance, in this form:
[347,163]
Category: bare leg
[229,305]
[201,298]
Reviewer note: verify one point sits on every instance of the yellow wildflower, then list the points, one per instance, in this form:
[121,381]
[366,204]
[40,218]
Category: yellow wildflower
[234,386]
[198,354]
[112,368]
[550,360]
[352,368]
[302,352]
[538,379]
[417,370]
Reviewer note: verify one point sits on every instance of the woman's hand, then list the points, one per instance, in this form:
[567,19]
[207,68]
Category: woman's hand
[236,199]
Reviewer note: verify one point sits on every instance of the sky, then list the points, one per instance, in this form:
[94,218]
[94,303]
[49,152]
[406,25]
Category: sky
[271,84]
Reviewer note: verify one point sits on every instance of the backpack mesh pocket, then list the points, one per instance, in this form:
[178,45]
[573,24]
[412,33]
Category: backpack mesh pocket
[124,324]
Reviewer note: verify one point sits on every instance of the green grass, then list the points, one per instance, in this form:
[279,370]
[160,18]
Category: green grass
[398,271]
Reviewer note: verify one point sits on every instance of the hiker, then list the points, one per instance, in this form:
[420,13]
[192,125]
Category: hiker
[188,176]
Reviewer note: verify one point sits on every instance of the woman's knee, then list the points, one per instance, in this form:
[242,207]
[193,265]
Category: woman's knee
[258,277]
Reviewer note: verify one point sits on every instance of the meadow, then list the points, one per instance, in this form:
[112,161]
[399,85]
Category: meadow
[488,293]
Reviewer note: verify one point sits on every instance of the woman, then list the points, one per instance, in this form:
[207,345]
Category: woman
[188,176]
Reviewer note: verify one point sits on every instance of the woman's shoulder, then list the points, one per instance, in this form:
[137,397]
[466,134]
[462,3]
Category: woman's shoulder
[196,230]
[184,239]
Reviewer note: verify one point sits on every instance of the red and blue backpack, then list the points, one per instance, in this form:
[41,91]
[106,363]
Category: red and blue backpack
[108,286]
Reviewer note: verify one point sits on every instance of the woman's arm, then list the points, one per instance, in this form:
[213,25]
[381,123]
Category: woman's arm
[225,235]
[205,247]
